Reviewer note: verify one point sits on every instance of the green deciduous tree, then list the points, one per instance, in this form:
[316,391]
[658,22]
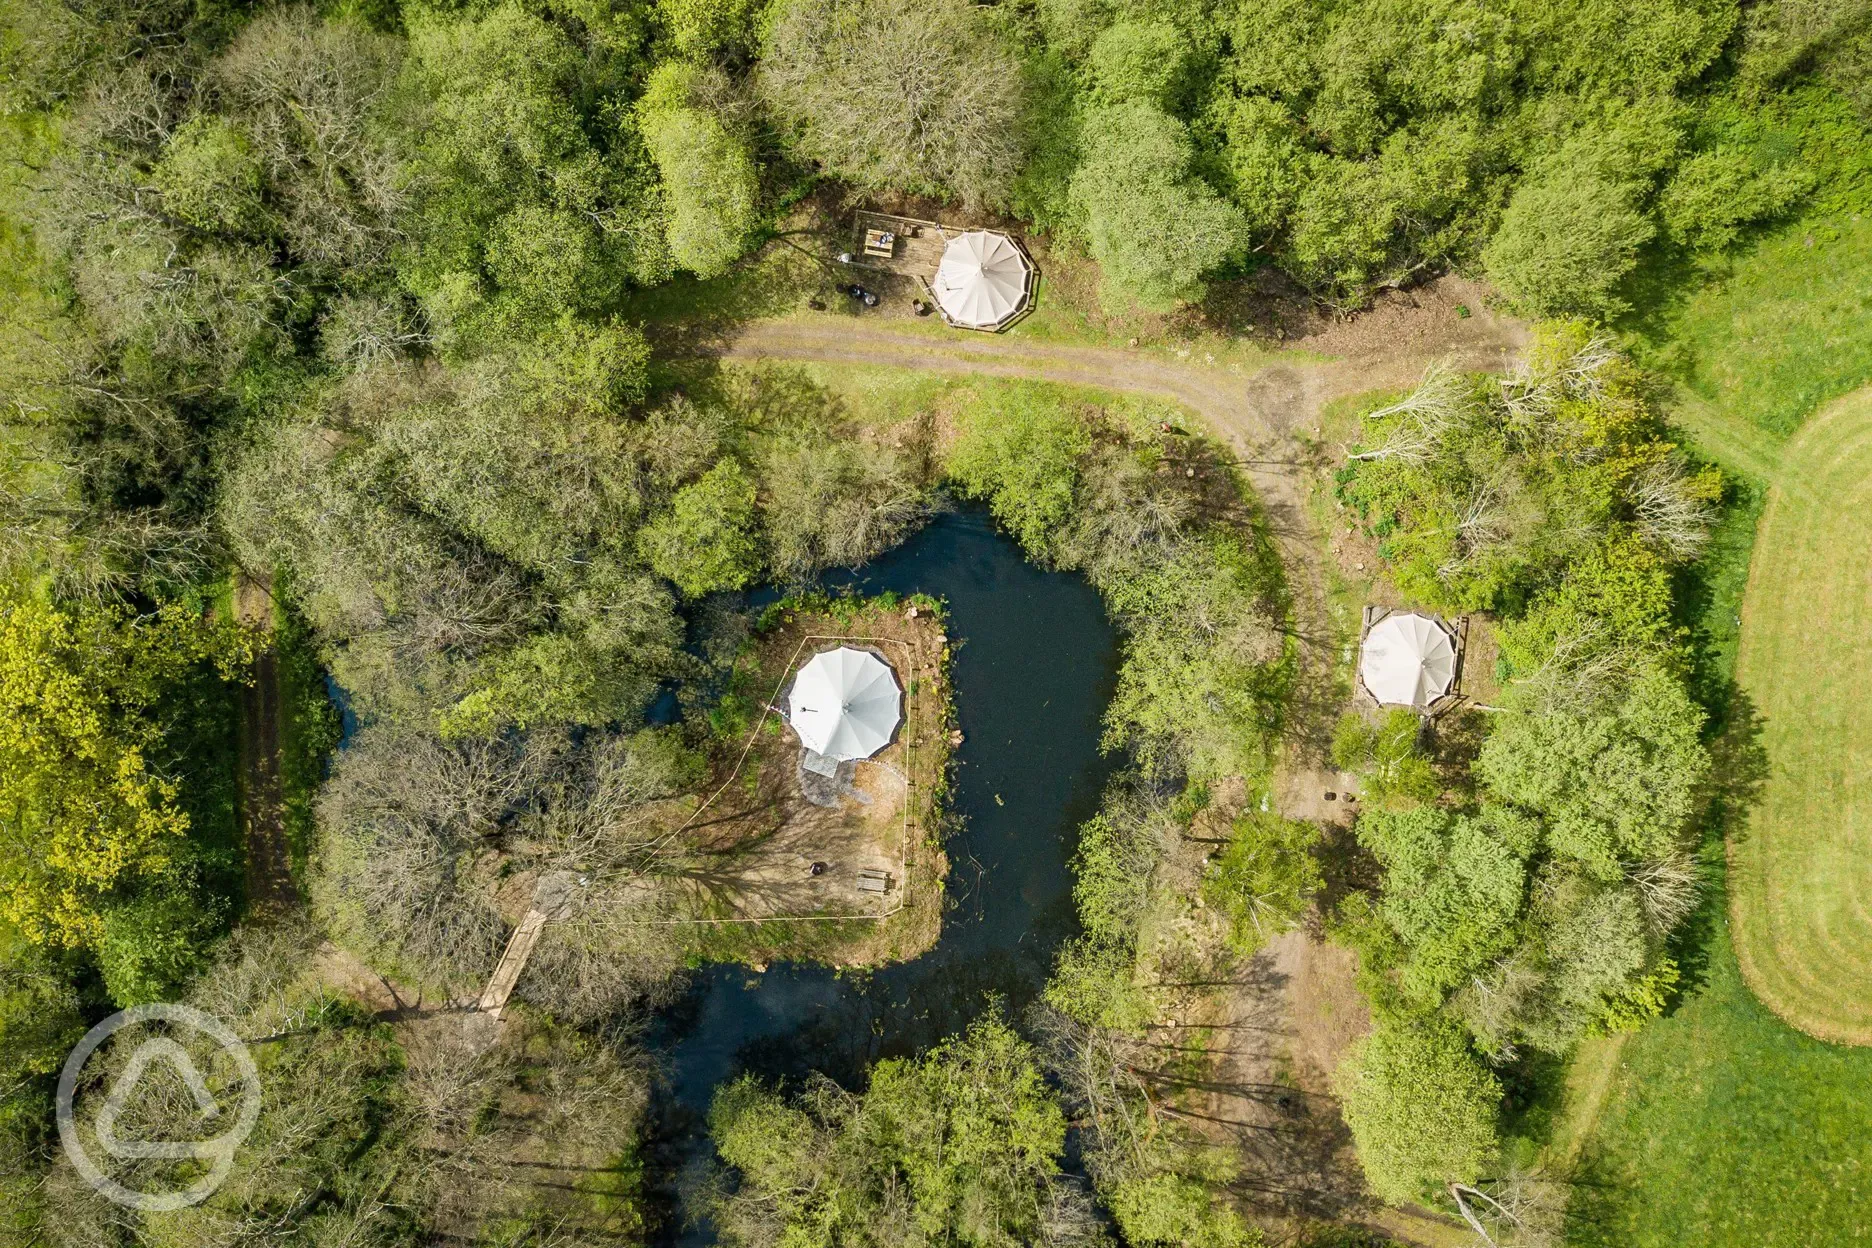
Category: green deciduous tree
[467,537]
[1203,669]
[521,179]
[1023,460]
[1154,227]
[962,1145]
[1567,240]
[708,173]
[88,811]
[40,1019]
[893,94]
[209,175]
[1614,783]
[150,944]
[709,539]
[1422,1108]
[1453,891]
[1141,61]
[1178,1212]
[707,29]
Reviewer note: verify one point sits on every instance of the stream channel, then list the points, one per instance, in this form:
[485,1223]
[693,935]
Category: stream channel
[1035,662]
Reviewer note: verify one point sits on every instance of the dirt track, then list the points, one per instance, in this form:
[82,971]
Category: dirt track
[1294,1147]
[270,886]
[1265,414]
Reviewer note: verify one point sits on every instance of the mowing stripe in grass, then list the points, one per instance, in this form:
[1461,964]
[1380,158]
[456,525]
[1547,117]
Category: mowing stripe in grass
[1801,879]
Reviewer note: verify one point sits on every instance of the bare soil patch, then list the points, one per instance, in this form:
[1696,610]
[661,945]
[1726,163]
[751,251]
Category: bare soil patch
[269,883]
[770,821]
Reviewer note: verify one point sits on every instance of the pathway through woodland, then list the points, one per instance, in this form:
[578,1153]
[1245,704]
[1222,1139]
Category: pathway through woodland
[1295,1146]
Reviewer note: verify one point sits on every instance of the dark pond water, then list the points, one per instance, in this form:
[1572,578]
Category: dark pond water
[1036,665]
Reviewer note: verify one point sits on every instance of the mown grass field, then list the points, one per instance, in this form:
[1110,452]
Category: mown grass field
[1801,867]
[1726,1128]
[1780,330]
[1722,1125]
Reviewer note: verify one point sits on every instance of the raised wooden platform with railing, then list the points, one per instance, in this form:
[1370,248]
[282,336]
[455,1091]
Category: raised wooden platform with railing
[914,247]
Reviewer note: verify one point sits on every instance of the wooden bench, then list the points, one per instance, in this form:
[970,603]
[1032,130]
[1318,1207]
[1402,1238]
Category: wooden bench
[874,881]
[881,244]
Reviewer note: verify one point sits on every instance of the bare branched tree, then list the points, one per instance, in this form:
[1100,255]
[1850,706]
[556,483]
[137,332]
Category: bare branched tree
[406,817]
[1098,1069]
[1496,1002]
[1481,526]
[1585,670]
[309,93]
[1668,889]
[1522,1209]
[361,331]
[1415,424]
[1668,510]
[608,956]
[1126,514]
[1537,383]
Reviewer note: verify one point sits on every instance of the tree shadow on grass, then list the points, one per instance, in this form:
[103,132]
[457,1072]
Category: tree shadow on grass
[1738,770]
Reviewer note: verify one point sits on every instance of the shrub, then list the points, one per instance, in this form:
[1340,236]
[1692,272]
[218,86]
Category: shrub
[1022,459]
[1264,878]
[1385,755]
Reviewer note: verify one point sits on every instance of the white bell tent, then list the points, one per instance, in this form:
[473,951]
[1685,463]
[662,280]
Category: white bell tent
[845,704]
[982,282]
[1408,660]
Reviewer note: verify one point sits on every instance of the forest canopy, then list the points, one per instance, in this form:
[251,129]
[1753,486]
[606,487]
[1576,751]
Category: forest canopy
[335,324]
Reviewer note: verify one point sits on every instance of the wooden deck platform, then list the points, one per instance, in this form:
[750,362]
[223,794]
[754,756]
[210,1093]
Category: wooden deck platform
[916,253]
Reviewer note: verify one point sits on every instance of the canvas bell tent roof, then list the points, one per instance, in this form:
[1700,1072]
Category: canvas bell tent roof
[982,282]
[845,703]
[1408,660]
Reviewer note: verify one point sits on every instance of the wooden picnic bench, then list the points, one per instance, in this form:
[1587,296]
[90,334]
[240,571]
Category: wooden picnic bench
[880,243]
[874,881]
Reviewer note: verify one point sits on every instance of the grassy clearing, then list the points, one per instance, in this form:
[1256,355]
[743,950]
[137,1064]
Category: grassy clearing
[1726,1127]
[888,401]
[1801,870]
[1784,328]
[1721,1125]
